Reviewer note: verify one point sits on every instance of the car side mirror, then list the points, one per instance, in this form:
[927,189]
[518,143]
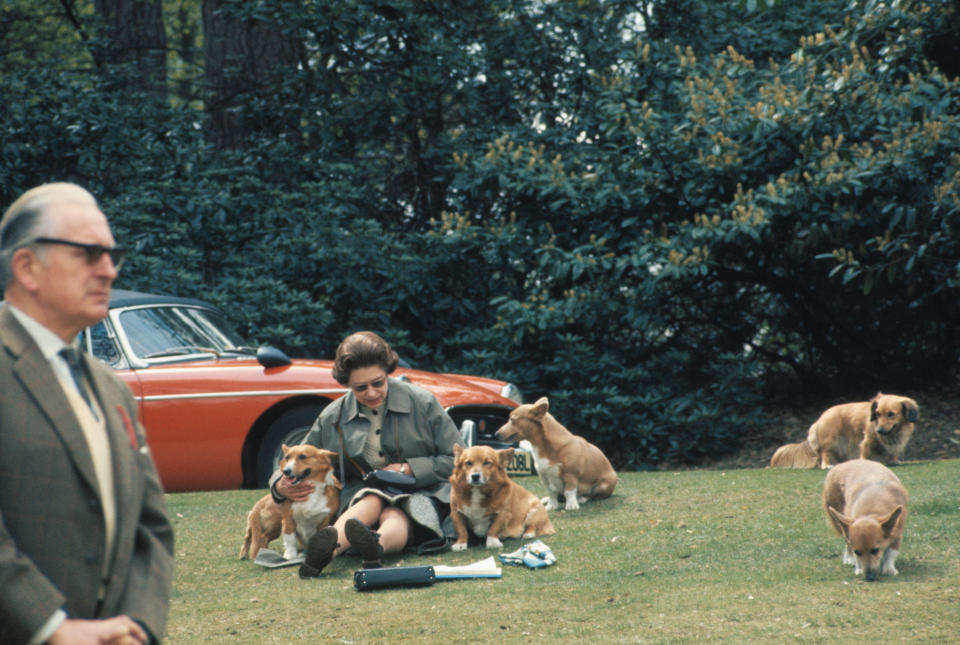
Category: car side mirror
[272,357]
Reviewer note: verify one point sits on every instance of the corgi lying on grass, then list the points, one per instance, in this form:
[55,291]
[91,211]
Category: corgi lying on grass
[484,500]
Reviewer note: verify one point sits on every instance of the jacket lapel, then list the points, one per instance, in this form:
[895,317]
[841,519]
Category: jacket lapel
[39,383]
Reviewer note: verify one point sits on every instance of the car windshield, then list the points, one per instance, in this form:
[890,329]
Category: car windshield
[156,332]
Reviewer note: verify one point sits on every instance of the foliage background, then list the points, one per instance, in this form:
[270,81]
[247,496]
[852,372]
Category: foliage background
[662,214]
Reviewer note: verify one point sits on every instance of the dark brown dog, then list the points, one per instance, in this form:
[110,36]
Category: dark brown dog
[877,429]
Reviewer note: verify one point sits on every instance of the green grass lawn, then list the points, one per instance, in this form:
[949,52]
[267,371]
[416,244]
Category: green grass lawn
[673,557]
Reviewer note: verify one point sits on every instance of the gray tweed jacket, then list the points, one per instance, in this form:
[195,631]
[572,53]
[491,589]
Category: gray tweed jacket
[52,540]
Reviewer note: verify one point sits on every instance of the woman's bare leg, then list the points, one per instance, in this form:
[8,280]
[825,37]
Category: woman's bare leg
[394,530]
[367,510]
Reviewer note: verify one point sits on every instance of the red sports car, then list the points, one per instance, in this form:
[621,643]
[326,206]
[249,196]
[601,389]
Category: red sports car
[216,411]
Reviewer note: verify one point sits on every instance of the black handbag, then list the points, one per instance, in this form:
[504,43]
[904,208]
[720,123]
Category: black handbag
[367,579]
[390,481]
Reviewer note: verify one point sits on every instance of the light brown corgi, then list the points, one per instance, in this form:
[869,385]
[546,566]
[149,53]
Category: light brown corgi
[295,521]
[876,429]
[866,504]
[484,499]
[568,465]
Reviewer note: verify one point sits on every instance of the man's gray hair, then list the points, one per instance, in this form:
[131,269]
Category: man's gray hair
[25,219]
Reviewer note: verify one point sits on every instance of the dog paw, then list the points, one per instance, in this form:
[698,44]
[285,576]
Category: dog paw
[493,542]
[889,560]
[459,546]
[289,555]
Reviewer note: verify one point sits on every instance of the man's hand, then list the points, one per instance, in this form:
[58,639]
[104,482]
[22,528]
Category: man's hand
[120,630]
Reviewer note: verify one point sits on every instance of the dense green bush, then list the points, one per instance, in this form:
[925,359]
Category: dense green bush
[661,219]
[714,222]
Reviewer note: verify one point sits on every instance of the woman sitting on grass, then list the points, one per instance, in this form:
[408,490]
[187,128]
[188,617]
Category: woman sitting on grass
[382,423]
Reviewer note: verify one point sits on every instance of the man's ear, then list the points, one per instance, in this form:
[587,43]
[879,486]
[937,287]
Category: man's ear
[23,267]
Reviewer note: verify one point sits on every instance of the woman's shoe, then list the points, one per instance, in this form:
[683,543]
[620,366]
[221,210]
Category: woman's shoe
[366,542]
[319,552]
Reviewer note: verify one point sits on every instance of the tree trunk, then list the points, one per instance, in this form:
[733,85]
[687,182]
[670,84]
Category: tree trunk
[135,41]
[244,61]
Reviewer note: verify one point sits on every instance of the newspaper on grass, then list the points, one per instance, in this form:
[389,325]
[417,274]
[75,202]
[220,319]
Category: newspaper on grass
[272,560]
[486,568]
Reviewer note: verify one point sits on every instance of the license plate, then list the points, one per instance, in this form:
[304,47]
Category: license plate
[522,463]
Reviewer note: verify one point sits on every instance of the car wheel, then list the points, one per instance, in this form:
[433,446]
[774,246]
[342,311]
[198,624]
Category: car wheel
[290,428]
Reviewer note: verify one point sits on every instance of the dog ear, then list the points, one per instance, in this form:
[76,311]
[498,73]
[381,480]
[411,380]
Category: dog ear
[457,449]
[910,411]
[540,408]
[873,410]
[284,448]
[841,519]
[506,456]
[890,521]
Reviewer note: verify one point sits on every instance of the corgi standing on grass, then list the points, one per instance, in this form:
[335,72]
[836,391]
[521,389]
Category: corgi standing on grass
[866,504]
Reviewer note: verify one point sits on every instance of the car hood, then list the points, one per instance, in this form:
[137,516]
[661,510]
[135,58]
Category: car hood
[310,375]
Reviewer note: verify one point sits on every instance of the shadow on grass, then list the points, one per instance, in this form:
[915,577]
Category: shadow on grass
[918,571]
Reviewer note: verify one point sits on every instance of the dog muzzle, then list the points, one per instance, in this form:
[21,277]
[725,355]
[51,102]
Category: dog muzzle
[296,478]
[883,432]
[476,479]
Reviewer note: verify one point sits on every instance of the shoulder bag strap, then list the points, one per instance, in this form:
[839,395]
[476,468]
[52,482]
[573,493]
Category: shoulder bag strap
[343,452]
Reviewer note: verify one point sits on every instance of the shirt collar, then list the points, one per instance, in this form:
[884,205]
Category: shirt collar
[48,342]
[366,411]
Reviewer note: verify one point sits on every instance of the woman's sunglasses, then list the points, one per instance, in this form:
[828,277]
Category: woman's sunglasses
[375,384]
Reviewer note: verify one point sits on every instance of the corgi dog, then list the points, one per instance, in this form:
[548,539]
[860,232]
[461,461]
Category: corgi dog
[484,500]
[877,429]
[568,465]
[296,522]
[866,504]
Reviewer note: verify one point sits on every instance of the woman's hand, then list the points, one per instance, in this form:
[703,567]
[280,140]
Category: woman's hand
[294,492]
[402,467]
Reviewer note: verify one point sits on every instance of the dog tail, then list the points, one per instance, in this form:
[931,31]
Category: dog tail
[247,539]
[795,455]
[538,519]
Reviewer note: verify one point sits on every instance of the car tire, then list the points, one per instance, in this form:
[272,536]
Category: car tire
[289,428]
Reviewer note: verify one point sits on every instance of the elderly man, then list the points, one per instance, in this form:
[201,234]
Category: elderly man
[86,547]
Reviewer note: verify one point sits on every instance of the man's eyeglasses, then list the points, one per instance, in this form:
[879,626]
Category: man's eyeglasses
[94,251]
